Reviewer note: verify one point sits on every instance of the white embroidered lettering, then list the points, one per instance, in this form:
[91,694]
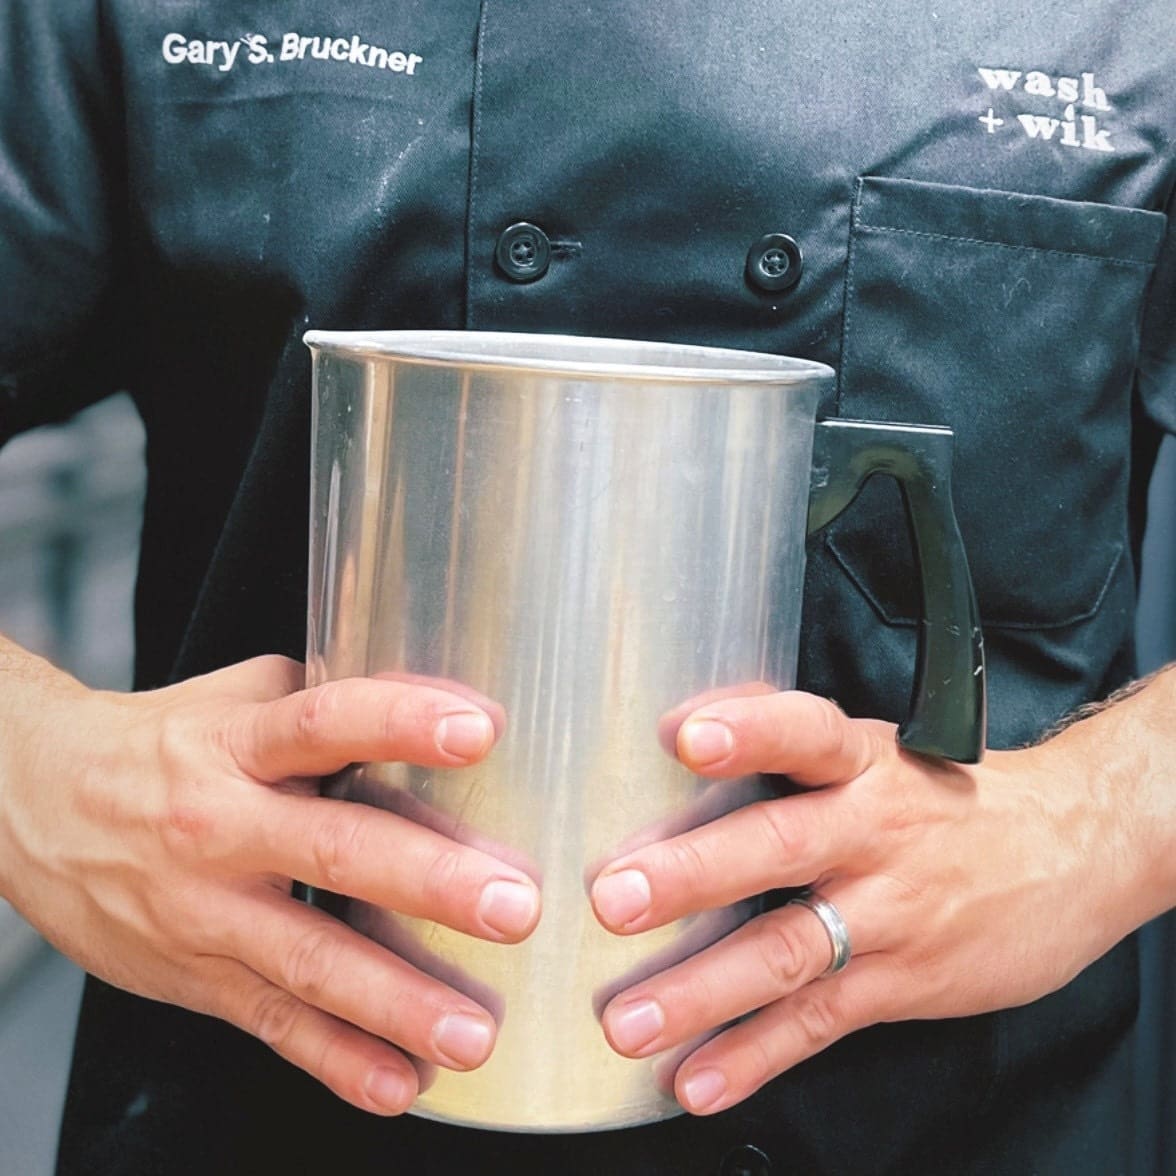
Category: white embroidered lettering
[1092,138]
[999,79]
[1039,83]
[1091,95]
[258,48]
[1038,126]
[225,55]
[1072,93]
[175,48]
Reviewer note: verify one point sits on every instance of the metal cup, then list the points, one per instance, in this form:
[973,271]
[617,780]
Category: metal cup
[588,532]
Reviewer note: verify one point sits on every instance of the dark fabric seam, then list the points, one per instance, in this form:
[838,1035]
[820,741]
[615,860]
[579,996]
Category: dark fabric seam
[862,228]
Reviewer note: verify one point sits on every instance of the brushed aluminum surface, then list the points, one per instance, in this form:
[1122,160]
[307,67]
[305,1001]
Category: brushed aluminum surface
[588,532]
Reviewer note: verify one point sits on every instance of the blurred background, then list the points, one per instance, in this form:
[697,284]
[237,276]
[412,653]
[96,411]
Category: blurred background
[70,506]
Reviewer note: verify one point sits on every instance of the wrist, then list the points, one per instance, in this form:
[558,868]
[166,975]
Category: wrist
[1124,751]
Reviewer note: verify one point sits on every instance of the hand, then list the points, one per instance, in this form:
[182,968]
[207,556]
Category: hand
[964,889]
[153,838]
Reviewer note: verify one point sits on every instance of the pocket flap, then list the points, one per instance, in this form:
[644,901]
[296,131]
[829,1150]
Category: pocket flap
[1129,236]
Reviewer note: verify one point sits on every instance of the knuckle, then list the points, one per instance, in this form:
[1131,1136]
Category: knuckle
[402,714]
[781,827]
[311,962]
[189,823]
[274,1018]
[817,1020]
[688,864]
[336,843]
[830,723]
[277,668]
[447,880]
[782,952]
[697,995]
[317,713]
[331,1047]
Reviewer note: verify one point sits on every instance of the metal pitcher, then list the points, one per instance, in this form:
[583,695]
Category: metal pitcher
[589,532]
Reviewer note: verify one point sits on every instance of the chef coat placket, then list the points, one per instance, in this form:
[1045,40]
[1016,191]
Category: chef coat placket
[599,203]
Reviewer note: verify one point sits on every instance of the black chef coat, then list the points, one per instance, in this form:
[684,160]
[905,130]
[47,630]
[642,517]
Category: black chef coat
[978,197]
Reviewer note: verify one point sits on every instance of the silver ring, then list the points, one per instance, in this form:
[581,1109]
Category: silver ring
[834,926]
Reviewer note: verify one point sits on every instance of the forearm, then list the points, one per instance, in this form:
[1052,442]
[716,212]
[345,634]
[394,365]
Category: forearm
[35,722]
[1125,749]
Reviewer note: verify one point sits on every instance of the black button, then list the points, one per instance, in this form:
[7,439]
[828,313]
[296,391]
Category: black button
[523,252]
[745,1161]
[774,263]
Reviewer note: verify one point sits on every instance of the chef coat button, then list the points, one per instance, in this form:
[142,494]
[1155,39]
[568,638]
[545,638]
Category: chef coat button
[774,263]
[745,1161]
[523,252]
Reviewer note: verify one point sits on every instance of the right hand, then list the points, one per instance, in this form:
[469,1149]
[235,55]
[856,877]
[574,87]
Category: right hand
[154,837]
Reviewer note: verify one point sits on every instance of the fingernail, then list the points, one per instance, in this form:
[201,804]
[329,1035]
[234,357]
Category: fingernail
[636,1025]
[464,736]
[705,741]
[388,1088]
[622,897]
[704,1089]
[510,908]
[463,1039]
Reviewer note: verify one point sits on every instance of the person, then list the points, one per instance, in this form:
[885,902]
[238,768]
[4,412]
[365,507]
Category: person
[967,212]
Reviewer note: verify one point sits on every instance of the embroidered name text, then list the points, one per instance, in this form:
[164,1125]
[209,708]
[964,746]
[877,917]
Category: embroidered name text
[224,55]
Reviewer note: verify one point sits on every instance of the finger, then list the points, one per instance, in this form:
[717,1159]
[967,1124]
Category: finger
[768,958]
[670,723]
[386,859]
[330,967]
[787,841]
[366,1072]
[799,735]
[734,1065]
[450,686]
[321,730]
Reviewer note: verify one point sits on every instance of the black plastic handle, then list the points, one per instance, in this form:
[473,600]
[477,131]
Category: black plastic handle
[948,713]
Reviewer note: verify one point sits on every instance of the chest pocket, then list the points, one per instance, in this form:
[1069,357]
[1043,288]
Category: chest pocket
[1015,320]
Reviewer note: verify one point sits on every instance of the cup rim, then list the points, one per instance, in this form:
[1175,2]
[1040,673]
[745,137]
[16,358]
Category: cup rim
[577,356]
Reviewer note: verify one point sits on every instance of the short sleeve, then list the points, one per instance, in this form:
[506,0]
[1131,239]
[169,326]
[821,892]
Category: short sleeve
[1157,355]
[59,189]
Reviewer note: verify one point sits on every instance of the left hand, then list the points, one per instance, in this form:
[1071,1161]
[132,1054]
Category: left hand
[964,889]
